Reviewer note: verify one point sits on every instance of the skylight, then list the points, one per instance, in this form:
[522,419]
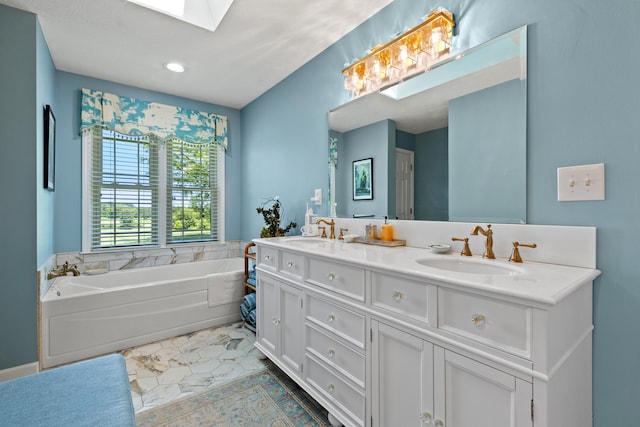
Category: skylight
[206,14]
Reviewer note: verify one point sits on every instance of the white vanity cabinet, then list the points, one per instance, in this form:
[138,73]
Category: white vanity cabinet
[417,383]
[280,318]
[385,345]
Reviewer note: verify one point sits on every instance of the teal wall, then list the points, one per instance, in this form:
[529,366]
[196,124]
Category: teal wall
[487,155]
[45,94]
[582,102]
[371,141]
[431,175]
[68,208]
[19,137]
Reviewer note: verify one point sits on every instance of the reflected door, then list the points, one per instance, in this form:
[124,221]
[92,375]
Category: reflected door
[404,184]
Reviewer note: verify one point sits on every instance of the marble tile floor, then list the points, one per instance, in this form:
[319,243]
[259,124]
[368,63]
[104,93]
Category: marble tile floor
[167,370]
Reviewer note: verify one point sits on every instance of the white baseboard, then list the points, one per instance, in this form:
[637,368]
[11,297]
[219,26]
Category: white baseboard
[18,371]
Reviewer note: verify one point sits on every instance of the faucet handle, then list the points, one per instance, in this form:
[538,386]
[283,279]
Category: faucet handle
[515,255]
[465,251]
[324,232]
[342,230]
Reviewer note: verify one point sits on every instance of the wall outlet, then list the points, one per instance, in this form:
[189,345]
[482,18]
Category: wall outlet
[317,197]
[584,182]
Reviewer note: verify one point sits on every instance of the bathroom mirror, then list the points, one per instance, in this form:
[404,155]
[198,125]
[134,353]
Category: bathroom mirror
[448,144]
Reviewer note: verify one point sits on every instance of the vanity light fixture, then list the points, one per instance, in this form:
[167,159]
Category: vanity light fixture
[175,67]
[414,51]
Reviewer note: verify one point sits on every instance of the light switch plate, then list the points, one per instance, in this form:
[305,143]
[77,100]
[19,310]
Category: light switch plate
[318,196]
[584,182]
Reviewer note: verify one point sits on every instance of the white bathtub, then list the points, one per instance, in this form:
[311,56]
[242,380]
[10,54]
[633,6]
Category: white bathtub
[86,316]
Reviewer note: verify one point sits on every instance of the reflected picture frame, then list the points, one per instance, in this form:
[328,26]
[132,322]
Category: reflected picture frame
[49,148]
[362,175]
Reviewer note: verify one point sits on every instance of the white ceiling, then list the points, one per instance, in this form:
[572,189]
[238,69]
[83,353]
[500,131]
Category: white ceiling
[258,43]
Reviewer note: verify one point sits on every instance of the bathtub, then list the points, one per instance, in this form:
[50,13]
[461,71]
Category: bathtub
[86,316]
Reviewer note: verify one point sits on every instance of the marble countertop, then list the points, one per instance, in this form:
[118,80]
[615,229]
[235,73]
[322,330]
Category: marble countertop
[538,283]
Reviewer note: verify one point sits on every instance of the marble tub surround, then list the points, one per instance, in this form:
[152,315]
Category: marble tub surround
[123,259]
[563,245]
[167,370]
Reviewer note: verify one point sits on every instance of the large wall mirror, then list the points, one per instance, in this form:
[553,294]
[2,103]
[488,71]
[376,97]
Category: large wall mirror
[446,145]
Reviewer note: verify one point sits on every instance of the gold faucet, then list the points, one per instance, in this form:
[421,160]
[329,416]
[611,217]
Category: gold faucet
[63,270]
[488,253]
[465,251]
[515,255]
[342,230]
[332,224]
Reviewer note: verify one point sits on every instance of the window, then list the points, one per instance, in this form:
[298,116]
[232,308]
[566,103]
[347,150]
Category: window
[141,192]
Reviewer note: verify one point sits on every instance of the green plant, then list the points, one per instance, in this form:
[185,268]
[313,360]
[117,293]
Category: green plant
[272,216]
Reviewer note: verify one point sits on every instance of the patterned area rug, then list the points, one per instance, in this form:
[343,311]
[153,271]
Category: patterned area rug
[268,398]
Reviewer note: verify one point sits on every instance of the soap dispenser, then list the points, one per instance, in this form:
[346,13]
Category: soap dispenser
[386,233]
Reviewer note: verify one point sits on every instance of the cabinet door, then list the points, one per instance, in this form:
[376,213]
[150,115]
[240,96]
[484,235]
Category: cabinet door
[402,379]
[470,394]
[268,314]
[291,327]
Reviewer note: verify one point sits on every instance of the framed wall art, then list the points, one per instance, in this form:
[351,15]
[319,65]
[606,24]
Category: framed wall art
[49,148]
[363,179]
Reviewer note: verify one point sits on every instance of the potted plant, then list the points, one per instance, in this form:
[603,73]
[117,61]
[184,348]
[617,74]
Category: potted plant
[272,213]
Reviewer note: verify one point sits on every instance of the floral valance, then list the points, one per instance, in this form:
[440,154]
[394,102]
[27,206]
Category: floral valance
[132,116]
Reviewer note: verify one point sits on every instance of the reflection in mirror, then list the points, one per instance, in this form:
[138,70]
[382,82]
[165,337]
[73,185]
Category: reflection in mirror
[448,144]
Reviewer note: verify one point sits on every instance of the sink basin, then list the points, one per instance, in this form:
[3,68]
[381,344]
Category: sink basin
[308,242]
[469,267]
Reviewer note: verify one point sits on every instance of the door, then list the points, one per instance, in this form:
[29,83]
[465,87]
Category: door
[268,313]
[402,378]
[404,184]
[471,394]
[291,327]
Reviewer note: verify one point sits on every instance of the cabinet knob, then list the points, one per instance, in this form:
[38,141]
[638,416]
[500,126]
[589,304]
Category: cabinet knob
[267,257]
[331,352]
[332,318]
[426,417]
[275,321]
[478,320]
[396,295]
[290,264]
[331,276]
[439,423]
[331,388]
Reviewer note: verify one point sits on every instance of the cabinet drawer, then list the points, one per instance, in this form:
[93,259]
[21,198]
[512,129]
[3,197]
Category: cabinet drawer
[343,322]
[292,265]
[332,352]
[500,324]
[406,297]
[348,281]
[347,397]
[267,258]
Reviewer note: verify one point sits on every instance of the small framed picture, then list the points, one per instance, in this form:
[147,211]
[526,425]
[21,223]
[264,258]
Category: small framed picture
[363,179]
[49,148]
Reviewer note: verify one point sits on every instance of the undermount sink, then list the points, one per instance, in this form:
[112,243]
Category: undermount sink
[468,266]
[307,241]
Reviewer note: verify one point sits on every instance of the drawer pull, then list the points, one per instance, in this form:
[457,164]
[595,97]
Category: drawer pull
[275,321]
[332,318]
[426,417]
[478,320]
[331,276]
[267,257]
[290,264]
[331,352]
[396,295]
[331,388]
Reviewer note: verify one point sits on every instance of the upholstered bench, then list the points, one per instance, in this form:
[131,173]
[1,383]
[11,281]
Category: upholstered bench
[94,392]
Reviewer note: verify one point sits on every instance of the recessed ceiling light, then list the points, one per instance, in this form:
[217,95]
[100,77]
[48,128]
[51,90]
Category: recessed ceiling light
[175,67]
